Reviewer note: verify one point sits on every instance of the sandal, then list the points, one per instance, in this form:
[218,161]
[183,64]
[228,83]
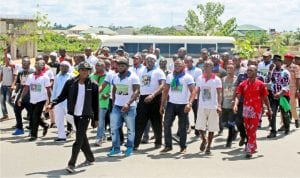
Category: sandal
[202,146]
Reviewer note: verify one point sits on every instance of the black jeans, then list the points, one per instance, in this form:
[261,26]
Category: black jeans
[18,113]
[144,113]
[35,119]
[228,120]
[240,121]
[81,141]
[171,112]
[285,115]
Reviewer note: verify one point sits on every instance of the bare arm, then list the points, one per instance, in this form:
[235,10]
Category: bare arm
[164,98]
[135,95]
[156,92]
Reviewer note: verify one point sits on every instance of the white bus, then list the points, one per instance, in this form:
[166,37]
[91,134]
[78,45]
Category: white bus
[168,45]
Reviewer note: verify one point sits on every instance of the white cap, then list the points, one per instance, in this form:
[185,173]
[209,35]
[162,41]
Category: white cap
[53,54]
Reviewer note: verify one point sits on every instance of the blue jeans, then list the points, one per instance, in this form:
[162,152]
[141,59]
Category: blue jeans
[101,124]
[5,96]
[116,122]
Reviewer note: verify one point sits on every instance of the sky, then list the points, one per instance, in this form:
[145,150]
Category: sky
[278,14]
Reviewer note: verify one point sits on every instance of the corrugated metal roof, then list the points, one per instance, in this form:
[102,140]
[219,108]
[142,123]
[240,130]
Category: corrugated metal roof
[248,27]
[96,30]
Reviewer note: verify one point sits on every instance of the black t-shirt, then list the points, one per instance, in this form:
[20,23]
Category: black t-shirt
[54,67]
[21,80]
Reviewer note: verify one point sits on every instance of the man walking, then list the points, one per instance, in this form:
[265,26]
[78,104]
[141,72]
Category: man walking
[82,102]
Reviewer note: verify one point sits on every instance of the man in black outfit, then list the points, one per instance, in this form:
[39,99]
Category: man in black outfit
[82,102]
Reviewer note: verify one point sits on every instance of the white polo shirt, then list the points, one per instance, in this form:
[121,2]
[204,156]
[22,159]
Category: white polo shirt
[124,89]
[37,87]
[150,80]
[180,94]
[208,98]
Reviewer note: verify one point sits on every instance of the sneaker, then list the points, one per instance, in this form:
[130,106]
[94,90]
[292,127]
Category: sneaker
[60,140]
[114,152]
[166,150]
[31,139]
[18,132]
[45,131]
[182,150]
[128,151]
[98,142]
[297,123]
[70,169]
[271,135]
[86,163]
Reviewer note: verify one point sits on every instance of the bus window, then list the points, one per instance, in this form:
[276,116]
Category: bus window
[174,48]
[144,46]
[225,47]
[209,47]
[164,49]
[131,48]
[194,50]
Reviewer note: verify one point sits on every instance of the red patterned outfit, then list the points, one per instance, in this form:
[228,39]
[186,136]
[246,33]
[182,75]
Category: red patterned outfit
[253,93]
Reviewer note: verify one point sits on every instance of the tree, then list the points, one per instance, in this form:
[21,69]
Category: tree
[207,21]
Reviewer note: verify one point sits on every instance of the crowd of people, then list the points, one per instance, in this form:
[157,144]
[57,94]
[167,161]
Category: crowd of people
[222,90]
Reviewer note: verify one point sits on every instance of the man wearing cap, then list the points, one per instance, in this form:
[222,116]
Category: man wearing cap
[294,84]
[60,110]
[82,102]
[279,79]
[137,66]
[98,76]
[126,89]
[54,64]
[152,82]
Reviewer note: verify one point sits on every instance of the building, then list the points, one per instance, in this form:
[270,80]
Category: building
[93,31]
[12,26]
[78,28]
[243,29]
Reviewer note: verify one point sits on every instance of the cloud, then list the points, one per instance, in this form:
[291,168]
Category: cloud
[267,14]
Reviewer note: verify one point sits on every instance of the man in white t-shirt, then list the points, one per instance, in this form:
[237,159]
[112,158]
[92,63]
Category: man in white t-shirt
[90,58]
[209,87]
[195,72]
[126,89]
[179,88]
[152,81]
[137,65]
[38,84]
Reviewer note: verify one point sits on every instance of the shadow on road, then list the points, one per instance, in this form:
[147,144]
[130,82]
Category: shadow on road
[55,173]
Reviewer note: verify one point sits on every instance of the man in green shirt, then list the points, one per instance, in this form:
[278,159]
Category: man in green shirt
[99,76]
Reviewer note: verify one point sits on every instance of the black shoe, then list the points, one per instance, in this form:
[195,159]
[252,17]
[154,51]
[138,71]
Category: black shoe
[109,138]
[166,150]
[26,118]
[248,155]
[192,127]
[31,139]
[242,141]
[157,146]
[45,131]
[297,123]
[27,127]
[271,135]
[52,125]
[281,129]
[286,132]
[60,140]
[144,141]
[197,133]
[70,169]
[182,150]
[228,144]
